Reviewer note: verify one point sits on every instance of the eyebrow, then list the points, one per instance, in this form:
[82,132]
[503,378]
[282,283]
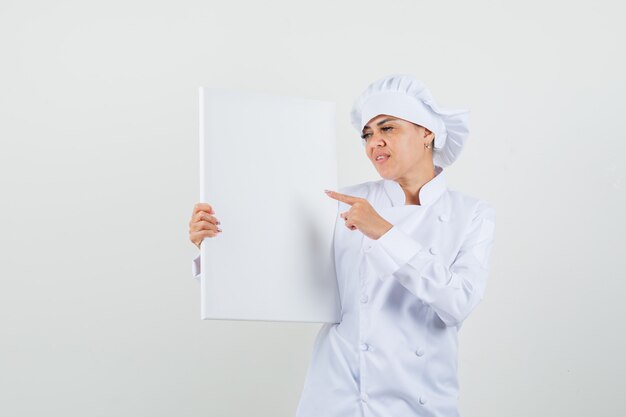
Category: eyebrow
[379,123]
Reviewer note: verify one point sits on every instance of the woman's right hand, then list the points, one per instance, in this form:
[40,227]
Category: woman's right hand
[202,223]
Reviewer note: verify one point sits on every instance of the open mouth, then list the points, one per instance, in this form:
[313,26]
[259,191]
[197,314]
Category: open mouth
[381,159]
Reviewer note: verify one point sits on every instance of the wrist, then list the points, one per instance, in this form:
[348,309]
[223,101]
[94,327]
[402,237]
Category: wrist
[387,226]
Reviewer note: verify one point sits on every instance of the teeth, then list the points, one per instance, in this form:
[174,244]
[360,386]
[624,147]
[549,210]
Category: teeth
[381,156]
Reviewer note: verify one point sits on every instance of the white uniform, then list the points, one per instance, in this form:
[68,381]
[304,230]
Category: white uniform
[404,298]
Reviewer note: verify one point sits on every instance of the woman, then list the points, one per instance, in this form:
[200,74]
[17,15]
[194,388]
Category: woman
[412,259]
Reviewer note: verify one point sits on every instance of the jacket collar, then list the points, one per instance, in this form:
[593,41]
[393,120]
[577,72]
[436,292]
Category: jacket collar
[428,194]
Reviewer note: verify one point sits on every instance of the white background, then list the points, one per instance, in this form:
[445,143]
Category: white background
[99,173]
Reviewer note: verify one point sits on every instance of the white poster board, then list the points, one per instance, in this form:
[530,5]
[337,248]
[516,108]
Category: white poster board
[265,161]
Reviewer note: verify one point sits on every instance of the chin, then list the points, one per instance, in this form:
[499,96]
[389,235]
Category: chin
[386,175]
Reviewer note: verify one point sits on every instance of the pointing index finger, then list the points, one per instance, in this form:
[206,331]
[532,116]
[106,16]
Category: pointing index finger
[348,199]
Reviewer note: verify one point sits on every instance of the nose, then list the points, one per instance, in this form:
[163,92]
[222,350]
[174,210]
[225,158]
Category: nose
[376,139]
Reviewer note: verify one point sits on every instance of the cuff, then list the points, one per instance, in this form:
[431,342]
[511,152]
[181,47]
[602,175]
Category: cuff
[400,246]
[390,251]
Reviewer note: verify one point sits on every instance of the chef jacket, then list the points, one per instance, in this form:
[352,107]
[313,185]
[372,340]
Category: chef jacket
[404,296]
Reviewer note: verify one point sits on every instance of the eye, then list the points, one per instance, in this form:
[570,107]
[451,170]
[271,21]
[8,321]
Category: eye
[366,135]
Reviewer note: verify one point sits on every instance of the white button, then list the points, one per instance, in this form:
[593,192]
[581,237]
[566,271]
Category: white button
[364,346]
[364,298]
[364,397]
[434,250]
[422,400]
[443,218]
[367,248]
[419,352]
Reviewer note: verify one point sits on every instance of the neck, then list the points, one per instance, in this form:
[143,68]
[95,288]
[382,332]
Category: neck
[413,182]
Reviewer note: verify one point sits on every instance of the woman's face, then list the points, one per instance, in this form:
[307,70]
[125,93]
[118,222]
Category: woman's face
[401,144]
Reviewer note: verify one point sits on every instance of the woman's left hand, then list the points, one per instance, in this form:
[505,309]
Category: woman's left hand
[362,216]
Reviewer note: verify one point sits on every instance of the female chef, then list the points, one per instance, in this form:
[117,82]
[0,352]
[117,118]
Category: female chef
[412,259]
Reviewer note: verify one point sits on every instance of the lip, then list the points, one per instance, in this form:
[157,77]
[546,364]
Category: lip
[379,152]
[382,161]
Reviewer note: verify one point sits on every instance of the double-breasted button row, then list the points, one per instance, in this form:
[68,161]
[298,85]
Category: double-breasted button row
[419,351]
[435,251]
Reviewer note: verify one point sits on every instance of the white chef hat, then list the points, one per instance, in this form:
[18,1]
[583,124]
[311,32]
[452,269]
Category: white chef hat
[405,97]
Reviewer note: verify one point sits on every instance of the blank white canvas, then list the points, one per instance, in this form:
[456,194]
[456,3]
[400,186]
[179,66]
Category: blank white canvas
[265,161]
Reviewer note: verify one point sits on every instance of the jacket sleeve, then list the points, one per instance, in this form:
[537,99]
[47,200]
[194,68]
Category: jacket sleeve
[195,267]
[453,291]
